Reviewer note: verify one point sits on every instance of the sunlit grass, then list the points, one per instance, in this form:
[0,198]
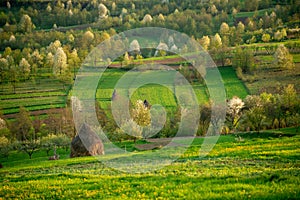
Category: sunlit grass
[261,168]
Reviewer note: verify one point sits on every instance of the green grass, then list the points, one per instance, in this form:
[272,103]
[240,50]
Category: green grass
[250,14]
[233,86]
[158,94]
[258,168]
[36,95]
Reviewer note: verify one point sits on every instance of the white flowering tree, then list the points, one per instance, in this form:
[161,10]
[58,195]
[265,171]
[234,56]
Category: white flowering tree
[61,68]
[25,68]
[53,46]
[147,19]
[26,24]
[216,42]
[60,62]
[234,108]
[134,47]
[282,58]
[205,42]
[103,11]
[141,114]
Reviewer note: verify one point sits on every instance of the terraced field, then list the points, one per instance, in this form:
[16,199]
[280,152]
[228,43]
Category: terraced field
[34,96]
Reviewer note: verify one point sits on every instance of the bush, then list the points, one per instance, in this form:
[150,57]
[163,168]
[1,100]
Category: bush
[4,147]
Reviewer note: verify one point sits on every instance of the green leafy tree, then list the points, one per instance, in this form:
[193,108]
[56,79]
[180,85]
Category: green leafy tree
[251,5]
[23,126]
[256,118]
[29,146]
[74,60]
[13,73]
[244,59]
[3,70]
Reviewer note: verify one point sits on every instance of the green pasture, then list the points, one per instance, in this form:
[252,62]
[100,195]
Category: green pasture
[160,94]
[260,166]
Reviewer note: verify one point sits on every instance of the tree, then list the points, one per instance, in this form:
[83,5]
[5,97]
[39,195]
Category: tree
[49,60]
[60,66]
[4,131]
[103,11]
[255,117]
[251,25]
[244,59]
[213,10]
[74,60]
[4,147]
[25,68]
[266,37]
[26,24]
[23,126]
[290,98]
[12,39]
[147,19]
[282,58]
[134,47]
[13,75]
[251,5]
[53,46]
[113,6]
[240,27]
[128,130]
[278,36]
[224,29]
[141,114]
[216,42]
[205,42]
[88,37]
[126,59]
[8,5]
[52,141]
[161,17]
[29,146]
[3,70]
[161,49]
[49,9]
[235,106]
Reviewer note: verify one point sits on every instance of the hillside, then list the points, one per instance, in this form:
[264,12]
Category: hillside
[213,92]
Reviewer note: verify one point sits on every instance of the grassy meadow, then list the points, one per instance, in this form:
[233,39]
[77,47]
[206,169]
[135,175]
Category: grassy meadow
[257,166]
[162,94]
